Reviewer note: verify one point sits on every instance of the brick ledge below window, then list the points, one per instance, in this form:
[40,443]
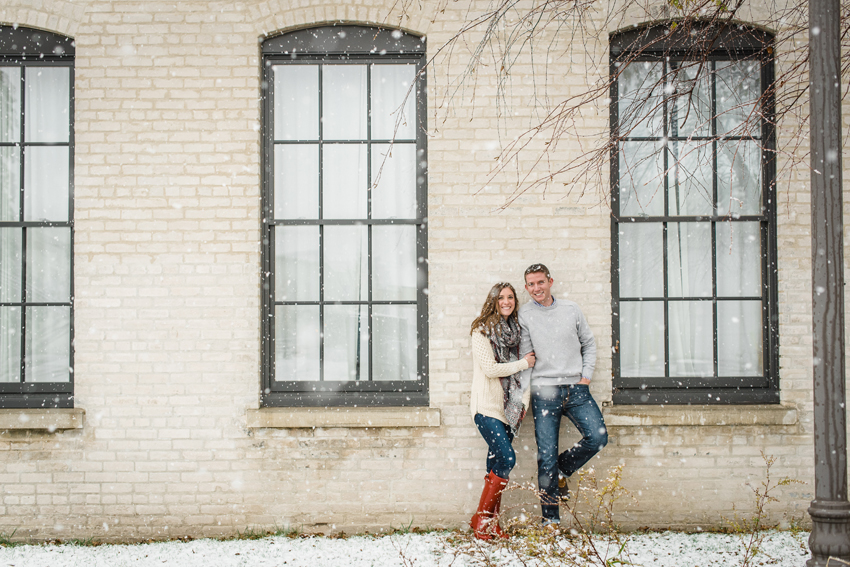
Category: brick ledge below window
[48,419]
[294,418]
[648,416]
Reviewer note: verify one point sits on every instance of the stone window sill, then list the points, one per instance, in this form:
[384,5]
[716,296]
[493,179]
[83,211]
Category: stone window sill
[300,418]
[649,416]
[50,419]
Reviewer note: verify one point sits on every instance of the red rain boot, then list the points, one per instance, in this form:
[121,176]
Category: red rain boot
[484,519]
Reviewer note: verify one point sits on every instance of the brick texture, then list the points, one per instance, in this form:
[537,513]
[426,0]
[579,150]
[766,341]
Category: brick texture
[167,306]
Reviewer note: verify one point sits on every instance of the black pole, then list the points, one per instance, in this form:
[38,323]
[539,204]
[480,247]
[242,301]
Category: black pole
[830,510]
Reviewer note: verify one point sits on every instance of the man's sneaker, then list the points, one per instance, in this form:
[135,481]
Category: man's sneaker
[563,489]
[551,525]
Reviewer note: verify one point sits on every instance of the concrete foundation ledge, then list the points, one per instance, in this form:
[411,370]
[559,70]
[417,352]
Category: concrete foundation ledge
[50,419]
[292,418]
[648,416]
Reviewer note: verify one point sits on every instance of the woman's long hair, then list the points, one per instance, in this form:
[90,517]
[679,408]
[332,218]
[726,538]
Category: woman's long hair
[490,316]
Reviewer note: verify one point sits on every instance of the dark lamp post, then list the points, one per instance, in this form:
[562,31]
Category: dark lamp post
[830,510]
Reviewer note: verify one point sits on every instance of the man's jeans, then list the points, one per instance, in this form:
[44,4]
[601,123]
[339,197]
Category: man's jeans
[501,457]
[548,404]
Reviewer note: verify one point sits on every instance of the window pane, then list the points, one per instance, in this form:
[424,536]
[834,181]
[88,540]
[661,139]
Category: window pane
[344,181]
[641,260]
[48,265]
[692,82]
[346,263]
[10,264]
[395,195]
[394,263]
[738,90]
[10,184]
[640,106]
[342,197]
[738,259]
[391,89]
[296,345]
[296,102]
[346,342]
[10,104]
[690,178]
[689,259]
[691,338]
[48,95]
[394,342]
[641,179]
[739,338]
[296,263]
[296,181]
[738,178]
[46,183]
[344,102]
[641,339]
[48,350]
[10,344]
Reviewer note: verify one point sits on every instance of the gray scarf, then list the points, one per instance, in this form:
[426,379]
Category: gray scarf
[506,349]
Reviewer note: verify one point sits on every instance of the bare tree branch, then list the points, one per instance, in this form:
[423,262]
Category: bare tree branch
[509,35]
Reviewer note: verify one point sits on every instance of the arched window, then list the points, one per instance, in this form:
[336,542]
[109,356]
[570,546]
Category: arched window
[694,216]
[344,227]
[36,218]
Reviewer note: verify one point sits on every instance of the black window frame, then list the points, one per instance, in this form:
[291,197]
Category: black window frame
[337,44]
[687,43]
[29,47]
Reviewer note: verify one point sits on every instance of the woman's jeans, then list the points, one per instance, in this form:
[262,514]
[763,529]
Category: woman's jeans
[548,404]
[501,457]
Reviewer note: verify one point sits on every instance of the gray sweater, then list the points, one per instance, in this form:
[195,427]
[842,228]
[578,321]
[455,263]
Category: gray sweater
[561,340]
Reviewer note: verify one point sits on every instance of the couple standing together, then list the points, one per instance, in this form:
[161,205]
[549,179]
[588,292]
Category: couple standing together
[541,355]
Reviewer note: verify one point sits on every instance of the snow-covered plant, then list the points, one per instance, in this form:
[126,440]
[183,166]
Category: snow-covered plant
[589,535]
[753,528]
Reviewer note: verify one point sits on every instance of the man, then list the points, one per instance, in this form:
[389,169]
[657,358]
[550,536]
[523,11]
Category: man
[558,334]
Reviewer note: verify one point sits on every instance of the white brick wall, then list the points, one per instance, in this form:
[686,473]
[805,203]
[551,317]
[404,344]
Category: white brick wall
[167,194]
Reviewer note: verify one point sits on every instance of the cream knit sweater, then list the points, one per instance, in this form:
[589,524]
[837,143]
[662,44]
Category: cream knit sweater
[487,396]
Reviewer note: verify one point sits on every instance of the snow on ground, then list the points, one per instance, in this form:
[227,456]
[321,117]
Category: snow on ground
[669,549]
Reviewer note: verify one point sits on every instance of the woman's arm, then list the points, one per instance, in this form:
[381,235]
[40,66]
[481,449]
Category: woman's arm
[483,353]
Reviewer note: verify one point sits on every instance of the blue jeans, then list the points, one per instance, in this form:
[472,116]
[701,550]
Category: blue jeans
[501,457]
[548,404]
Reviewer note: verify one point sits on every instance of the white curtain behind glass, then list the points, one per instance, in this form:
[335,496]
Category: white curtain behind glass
[641,322]
[393,103]
[739,251]
[394,247]
[48,104]
[10,241]
[345,188]
[46,198]
[690,175]
[691,322]
[739,322]
[344,102]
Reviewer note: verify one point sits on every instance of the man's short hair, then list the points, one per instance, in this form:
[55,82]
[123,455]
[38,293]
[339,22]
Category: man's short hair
[534,268]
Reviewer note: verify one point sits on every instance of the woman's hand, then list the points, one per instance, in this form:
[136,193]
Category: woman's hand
[529,358]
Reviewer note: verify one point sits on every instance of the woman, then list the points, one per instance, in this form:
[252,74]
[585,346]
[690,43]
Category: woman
[498,401]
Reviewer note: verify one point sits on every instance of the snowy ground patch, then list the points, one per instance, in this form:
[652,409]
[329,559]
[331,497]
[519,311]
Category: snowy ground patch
[669,549]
